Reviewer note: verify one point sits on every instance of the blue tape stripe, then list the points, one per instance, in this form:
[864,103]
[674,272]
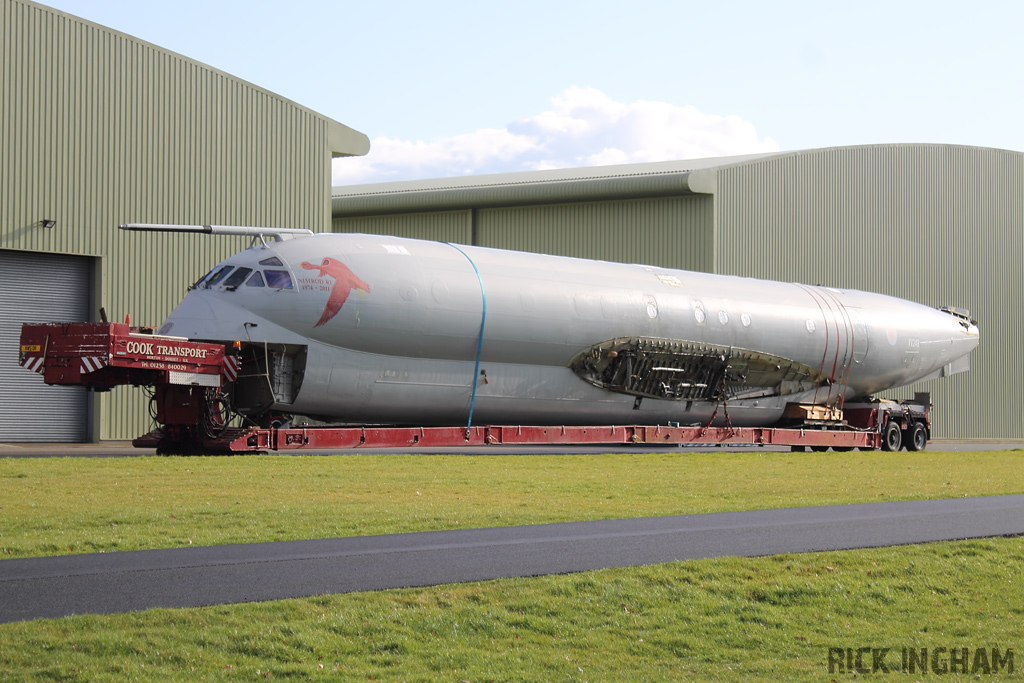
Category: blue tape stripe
[480,340]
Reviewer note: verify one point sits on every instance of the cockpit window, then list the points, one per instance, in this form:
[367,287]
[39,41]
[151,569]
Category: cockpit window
[256,280]
[279,279]
[217,277]
[198,282]
[272,261]
[237,278]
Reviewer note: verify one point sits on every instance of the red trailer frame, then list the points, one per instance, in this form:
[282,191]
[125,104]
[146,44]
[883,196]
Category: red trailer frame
[240,440]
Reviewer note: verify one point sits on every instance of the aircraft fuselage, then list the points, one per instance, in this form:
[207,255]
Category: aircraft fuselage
[372,329]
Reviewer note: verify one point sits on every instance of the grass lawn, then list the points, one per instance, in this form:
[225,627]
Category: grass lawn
[55,506]
[727,619]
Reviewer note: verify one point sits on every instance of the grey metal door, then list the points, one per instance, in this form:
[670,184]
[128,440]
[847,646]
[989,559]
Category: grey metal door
[37,287]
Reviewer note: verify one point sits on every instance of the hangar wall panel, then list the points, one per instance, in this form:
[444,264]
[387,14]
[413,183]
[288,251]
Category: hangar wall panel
[442,226]
[673,232]
[98,128]
[938,224]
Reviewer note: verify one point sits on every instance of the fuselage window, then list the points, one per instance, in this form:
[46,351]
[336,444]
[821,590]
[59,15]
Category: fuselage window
[217,277]
[279,279]
[237,278]
[272,261]
[256,280]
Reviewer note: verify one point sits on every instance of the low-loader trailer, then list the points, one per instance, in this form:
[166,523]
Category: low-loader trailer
[192,382]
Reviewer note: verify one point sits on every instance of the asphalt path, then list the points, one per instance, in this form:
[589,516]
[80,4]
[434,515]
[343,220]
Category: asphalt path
[192,577]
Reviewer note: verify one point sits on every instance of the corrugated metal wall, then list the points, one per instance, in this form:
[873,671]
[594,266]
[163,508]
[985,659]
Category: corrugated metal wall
[442,226]
[938,224]
[99,128]
[672,232]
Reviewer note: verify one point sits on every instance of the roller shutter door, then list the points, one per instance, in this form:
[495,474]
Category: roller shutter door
[38,287]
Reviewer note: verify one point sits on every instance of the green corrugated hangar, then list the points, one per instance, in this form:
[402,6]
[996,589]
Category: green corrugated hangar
[99,128]
[937,224]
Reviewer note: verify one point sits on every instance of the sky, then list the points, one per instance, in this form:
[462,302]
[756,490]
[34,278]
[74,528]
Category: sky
[455,88]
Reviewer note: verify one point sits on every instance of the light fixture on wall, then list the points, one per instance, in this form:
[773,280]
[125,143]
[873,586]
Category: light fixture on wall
[48,222]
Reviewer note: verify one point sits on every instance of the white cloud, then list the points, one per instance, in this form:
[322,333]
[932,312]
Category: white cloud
[584,127]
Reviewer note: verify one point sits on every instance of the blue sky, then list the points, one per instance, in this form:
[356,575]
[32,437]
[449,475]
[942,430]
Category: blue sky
[453,88]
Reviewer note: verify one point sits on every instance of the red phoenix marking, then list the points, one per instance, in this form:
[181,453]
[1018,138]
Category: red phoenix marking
[344,282]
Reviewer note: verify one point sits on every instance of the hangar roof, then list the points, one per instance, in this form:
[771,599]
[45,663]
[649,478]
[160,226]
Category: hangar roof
[592,183]
[342,140]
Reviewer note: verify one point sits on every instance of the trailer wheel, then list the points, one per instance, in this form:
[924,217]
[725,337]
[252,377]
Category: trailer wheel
[917,437]
[892,437]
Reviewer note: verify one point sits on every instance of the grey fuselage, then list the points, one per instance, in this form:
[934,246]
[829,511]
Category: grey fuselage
[387,330]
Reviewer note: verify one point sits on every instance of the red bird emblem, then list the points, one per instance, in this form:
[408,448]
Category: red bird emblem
[344,282]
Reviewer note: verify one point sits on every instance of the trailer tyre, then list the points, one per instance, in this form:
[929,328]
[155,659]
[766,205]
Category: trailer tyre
[892,437]
[917,437]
